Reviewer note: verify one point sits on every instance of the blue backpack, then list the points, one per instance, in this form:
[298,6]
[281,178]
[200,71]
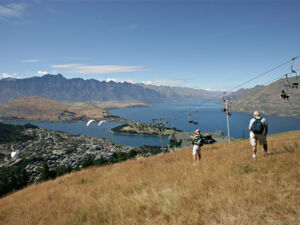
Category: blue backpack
[258,127]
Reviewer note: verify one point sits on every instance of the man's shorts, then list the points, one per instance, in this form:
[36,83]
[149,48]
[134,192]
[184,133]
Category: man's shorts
[196,149]
[260,138]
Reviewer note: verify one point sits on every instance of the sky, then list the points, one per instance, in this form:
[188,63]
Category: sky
[205,44]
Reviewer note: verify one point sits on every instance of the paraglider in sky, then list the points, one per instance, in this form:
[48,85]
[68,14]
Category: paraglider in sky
[89,122]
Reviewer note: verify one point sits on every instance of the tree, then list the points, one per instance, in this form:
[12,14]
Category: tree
[88,161]
[12,181]
[4,187]
[131,154]
[23,178]
[45,173]
[101,161]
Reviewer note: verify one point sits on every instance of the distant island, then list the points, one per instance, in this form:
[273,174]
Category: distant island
[138,128]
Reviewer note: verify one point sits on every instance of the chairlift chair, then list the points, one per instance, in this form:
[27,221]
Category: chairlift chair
[193,122]
[284,92]
[193,116]
[294,84]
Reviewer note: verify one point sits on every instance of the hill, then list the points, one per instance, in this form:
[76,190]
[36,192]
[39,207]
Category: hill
[243,92]
[178,94]
[39,108]
[226,187]
[267,100]
[58,88]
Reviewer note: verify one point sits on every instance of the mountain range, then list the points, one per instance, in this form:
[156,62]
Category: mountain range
[59,88]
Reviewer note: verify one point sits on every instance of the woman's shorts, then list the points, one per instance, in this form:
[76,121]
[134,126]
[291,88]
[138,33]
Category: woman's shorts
[196,149]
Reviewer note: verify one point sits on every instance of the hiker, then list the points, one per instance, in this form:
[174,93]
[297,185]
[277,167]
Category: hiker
[197,143]
[258,127]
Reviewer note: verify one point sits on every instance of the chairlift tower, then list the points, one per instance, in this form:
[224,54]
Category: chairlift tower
[226,110]
[160,123]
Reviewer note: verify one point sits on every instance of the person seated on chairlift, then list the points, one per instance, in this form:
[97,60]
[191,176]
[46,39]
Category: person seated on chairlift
[284,95]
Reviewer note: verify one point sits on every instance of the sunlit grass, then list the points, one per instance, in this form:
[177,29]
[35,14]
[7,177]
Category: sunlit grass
[226,187]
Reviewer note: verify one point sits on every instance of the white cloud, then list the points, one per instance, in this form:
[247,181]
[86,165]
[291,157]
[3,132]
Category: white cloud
[130,81]
[6,75]
[117,81]
[111,79]
[40,72]
[30,60]
[213,89]
[147,82]
[166,82]
[12,10]
[98,69]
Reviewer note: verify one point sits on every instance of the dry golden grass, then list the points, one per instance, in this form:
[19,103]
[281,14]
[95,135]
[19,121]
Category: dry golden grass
[226,187]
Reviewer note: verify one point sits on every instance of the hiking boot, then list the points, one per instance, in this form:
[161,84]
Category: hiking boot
[253,156]
[265,154]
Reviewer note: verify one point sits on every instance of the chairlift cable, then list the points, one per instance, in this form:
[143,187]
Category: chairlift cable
[253,78]
[278,78]
[259,75]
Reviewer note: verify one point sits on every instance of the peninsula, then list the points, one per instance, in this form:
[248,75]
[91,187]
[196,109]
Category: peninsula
[43,109]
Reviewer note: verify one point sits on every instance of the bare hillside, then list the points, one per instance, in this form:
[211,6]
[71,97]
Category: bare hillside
[227,187]
[39,108]
[267,100]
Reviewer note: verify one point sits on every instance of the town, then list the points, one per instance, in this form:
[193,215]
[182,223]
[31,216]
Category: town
[57,149]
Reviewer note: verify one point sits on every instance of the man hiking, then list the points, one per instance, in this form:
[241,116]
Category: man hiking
[258,127]
[197,143]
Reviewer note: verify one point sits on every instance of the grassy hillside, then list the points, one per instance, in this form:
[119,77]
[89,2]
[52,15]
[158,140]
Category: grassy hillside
[268,101]
[226,187]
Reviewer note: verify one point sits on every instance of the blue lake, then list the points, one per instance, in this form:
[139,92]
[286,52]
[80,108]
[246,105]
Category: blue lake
[208,115]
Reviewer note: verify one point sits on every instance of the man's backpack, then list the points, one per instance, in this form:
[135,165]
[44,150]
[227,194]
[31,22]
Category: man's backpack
[258,127]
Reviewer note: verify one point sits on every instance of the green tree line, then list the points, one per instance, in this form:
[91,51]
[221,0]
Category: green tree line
[14,133]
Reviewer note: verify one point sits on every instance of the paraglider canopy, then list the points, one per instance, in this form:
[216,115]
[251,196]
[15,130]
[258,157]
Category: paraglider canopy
[102,121]
[89,122]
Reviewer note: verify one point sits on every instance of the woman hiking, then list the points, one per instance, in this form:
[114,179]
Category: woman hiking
[197,143]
